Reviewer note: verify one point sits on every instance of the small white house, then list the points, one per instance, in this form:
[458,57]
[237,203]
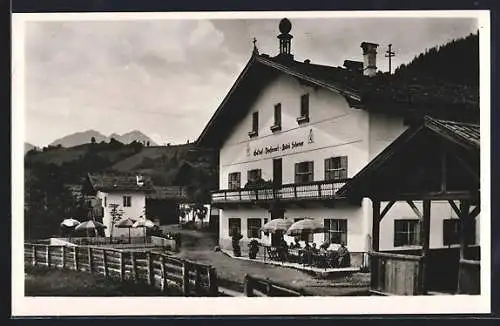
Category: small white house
[121,196]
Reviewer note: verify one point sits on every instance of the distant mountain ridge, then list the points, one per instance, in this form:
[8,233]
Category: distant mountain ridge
[85,137]
[28,147]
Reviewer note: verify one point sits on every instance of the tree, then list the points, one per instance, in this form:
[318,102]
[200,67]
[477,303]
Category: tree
[92,140]
[116,215]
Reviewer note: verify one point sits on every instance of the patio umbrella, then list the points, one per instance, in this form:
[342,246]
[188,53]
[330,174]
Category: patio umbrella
[144,223]
[305,226]
[90,225]
[70,223]
[126,223]
[276,225]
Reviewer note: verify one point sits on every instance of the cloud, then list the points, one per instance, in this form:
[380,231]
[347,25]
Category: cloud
[167,77]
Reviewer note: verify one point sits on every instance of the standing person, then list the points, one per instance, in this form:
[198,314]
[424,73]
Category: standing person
[236,237]
[344,259]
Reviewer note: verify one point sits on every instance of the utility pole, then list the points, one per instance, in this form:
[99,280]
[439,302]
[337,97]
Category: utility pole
[389,54]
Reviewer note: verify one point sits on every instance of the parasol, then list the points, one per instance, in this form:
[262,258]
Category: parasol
[90,225]
[276,225]
[305,226]
[126,223]
[70,223]
[144,223]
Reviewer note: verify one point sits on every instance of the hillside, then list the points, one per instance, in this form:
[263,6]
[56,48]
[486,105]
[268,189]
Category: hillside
[28,147]
[456,62]
[85,137]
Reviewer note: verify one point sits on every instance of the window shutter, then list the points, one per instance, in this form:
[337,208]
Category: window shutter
[343,164]
[296,172]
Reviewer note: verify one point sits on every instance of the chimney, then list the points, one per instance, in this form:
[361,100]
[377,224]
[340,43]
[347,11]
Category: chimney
[369,58]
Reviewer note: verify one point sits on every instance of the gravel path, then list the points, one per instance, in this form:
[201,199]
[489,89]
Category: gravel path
[199,246]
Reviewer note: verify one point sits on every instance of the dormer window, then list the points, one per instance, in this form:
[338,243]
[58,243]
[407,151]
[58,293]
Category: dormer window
[255,125]
[277,118]
[304,109]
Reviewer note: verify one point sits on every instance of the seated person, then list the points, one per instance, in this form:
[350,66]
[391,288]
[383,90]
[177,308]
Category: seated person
[314,249]
[297,243]
[344,258]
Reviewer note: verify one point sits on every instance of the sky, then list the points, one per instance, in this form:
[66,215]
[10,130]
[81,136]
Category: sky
[167,77]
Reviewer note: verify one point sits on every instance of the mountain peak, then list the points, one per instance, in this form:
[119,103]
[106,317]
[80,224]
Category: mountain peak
[85,137]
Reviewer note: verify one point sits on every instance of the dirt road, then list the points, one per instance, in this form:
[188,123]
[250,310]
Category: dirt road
[199,246]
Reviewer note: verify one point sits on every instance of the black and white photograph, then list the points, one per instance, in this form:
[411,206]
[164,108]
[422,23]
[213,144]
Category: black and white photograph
[335,158]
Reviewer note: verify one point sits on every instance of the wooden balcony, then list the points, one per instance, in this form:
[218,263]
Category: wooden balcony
[313,191]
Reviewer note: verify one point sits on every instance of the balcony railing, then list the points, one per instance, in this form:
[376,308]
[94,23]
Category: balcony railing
[318,190]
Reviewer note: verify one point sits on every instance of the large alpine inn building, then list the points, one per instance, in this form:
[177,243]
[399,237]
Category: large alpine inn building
[291,133]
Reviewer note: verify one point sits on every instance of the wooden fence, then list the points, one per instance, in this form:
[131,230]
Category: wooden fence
[262,287]
[158,270]
[395,274]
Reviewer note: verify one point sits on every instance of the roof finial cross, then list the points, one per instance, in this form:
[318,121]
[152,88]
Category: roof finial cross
[255,50]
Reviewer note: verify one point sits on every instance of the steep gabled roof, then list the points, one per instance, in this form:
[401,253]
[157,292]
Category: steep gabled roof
[387,93]
[427,136]
[112,182]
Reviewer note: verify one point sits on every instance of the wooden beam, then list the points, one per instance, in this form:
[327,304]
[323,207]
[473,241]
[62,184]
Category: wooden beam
[387,208]
[455,208]
[376,225]
[424,241]
[444,169]
[475,212]
[415,209]
[472,195]
[464,218]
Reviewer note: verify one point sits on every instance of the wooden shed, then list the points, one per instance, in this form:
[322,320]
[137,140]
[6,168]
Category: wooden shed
[432,160]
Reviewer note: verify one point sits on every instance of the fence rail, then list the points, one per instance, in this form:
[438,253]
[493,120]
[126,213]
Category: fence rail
[155,269]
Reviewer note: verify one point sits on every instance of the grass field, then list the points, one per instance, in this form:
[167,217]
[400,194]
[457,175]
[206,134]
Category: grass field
[43,281]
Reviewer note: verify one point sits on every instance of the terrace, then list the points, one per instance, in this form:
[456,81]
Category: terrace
[294,192]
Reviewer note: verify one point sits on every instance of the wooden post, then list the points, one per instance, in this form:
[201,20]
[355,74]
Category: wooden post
[464,228]
[33,261]
[374,261]
[75,256]
[134,268]
[185,278]
[47,255]
[213,287]
[122,267]
[104,263]
[424,241]
[197,279]
[163,274]
[89,254]
[63,249]
[248,286]
[150,268]
[269,288]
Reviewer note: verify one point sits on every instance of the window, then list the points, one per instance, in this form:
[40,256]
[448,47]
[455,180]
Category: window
[336,168]
[336,231]
[451,232]
[451,229]
[253,227]
[105,201]
[234,226]
[406,233]
[304,109]
[277,118]
[304,172]
[254,175]
[255,125]
[234,180]
[309,237]
[127,201]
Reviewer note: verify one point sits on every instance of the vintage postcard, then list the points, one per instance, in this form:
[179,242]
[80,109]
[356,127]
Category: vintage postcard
[237,163]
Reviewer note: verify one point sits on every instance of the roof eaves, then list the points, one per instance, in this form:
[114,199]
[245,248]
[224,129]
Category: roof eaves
[328,85]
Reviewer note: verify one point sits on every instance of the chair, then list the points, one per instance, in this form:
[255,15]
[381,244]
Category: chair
[272,253]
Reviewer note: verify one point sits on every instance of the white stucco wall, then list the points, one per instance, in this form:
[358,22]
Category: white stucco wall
[383,130]
[136,210]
